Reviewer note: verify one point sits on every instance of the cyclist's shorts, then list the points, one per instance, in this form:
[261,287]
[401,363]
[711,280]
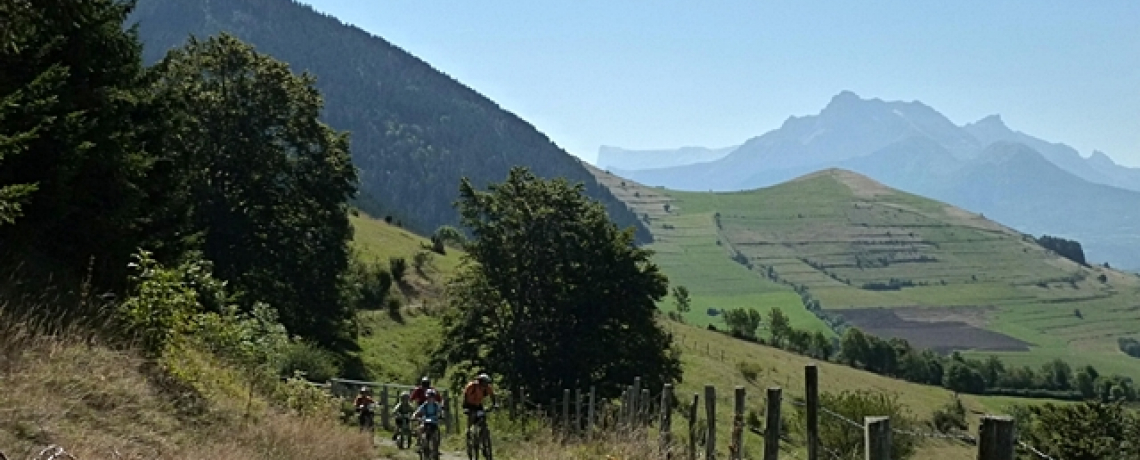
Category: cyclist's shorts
[471,408]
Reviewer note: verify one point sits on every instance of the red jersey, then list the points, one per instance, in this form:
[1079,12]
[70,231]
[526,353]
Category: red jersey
[419,395]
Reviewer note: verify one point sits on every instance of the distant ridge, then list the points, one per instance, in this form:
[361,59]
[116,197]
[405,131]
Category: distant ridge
[617,158]
[912,147]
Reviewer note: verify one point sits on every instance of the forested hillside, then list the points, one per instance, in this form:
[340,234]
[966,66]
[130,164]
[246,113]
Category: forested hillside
[414,131]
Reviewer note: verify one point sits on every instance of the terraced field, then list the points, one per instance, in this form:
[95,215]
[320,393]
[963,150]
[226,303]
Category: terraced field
[892,263]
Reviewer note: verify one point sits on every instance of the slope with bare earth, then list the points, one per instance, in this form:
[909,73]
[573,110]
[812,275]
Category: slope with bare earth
[892,263]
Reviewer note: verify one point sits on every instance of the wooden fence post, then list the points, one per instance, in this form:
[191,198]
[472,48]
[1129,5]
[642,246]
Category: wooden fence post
[577,410]
[877,438]
[590,414]
[511,409]
[710,413]
[634,392]
[620,416]
[693,426]
[384,410]
[643,407]
[738,424]
[772,425]
[566,412]
[811,377]
[665,422]
[995,438]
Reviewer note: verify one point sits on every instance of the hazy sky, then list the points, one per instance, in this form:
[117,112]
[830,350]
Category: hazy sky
[662,74]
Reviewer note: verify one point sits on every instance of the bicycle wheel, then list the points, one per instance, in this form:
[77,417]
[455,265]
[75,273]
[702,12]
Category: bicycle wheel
[485,436]
[435,444]
[472,447]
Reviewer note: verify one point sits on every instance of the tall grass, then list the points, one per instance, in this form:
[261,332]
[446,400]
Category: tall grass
[61,385]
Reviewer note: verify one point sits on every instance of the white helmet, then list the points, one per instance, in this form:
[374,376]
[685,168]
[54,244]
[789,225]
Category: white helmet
[484,378]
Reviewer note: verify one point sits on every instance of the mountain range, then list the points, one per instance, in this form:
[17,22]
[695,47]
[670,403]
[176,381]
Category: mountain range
[1025,182]
[414,131]
[610,157]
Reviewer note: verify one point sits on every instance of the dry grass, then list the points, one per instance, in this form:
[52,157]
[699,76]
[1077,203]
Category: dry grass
[61,386]
[620,446]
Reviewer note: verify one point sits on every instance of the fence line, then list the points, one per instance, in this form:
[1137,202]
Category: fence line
[580,415]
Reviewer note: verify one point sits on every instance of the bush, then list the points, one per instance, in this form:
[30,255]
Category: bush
[309,361]
[836,435]
[398,267]
[305,399]
[749,370]
[421,260]
[393,306]
[952,416]
[373,285]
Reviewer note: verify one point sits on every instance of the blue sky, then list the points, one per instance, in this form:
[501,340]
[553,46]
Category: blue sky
[661,74]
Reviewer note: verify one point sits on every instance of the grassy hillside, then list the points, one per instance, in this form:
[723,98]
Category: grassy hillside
[711,358]
[966,282]
[374,240]
[62,387]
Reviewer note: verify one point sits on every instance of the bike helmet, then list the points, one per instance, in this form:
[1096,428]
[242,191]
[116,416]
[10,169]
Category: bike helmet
[431,394]
[364,389]
[484,378]
[425,382]
[405,395]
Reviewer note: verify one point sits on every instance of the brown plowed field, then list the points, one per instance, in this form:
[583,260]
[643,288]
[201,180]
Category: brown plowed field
[940,329]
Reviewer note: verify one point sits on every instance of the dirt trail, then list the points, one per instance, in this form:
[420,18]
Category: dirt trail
[385,439]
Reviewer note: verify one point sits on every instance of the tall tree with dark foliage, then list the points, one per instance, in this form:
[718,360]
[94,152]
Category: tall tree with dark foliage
[554,295]
[264,183]
[71,84]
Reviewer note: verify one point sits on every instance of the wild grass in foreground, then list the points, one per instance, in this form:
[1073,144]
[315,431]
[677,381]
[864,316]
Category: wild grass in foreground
[62,386]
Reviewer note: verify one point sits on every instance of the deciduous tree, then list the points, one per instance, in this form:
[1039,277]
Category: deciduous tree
[262,180]
[553,294]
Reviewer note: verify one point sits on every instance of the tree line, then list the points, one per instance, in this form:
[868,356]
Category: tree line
[895,357]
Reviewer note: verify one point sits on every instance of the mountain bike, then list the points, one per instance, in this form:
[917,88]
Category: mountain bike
[403,432]
[479,436]
[429,446]
[367,417]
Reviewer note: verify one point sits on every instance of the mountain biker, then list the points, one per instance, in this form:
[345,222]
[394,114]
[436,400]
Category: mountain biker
[429,412]
[402,411]
[363,404]
[473,395]
[419,395]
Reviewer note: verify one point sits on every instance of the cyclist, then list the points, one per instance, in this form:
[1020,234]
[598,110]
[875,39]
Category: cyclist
[402,411]
[429,412]
[363,404]
[473,395]
[419,395]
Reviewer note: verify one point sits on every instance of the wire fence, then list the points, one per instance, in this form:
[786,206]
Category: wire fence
[580,414]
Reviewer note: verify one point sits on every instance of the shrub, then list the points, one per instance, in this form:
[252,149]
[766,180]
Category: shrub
[306,360]
[306,399]
[393,305]
[836,435]
[422,260]
[162,301]
[749,370]
[752,420]
[952,416]
[373,284]
[398,267]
